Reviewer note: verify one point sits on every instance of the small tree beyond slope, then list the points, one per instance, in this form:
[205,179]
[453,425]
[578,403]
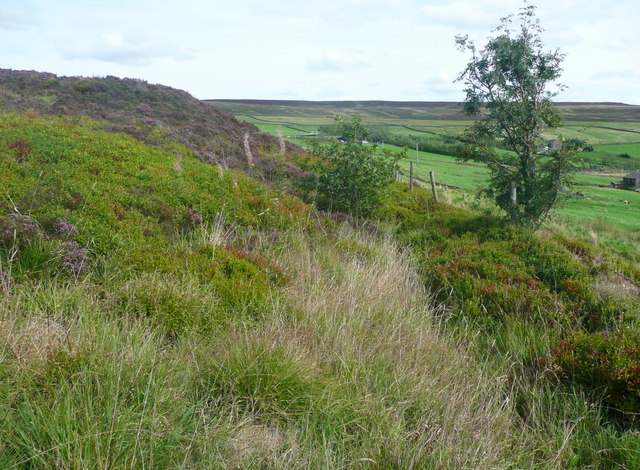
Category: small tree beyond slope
[350,176]
[507,86]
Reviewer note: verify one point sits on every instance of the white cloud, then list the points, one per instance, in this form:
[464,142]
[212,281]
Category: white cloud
[458,14]
[315,49]
[15,20]
[335,62]
[625,74]
[127,50]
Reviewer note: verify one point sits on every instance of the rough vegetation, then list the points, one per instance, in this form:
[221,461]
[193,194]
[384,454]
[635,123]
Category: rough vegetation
[491,274]
[155,114]
[157,311]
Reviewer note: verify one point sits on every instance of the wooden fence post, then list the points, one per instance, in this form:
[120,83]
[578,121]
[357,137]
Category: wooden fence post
[411,175]
[514,194]
[432,175]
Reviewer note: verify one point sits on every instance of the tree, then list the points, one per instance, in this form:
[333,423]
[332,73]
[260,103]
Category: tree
[509,85]
[349,175]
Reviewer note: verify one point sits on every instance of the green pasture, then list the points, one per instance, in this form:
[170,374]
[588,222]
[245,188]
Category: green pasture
[287,131]
[610,113]
[591,203]
[617,149]
[448,170]
[605,204]
[624,125]
[594,134]
[422,130]
[296,120]
[597,134]
[446,130]
[604,179]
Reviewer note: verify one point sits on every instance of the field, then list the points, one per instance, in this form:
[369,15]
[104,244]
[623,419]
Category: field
[417,111]
[612,129]
[591,202]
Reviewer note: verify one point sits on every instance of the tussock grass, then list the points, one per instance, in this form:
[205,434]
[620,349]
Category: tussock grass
[349,370]
[367,319]
[349,367]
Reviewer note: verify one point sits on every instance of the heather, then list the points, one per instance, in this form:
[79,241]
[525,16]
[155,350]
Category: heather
[581,301]
[155,114]
[159,311]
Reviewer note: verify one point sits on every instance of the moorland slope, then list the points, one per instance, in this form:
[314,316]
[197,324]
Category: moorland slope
[158,311]
[154,114]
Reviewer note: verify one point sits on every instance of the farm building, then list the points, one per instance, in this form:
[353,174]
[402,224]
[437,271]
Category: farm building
[554,144]
[550,145]
[631,181]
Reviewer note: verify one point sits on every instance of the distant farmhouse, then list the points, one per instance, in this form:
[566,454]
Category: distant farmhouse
[631,181]
[554,144]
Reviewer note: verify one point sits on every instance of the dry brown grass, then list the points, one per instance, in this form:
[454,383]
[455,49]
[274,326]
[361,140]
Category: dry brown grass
[257,440]
[616,286]
[369,320]
[35,341]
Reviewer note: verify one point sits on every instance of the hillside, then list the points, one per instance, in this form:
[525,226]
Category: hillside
[411,110]
[154,114]
[157,311]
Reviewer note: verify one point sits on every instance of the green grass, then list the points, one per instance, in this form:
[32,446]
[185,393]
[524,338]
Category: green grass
[606,204]
[594,134]
[448,170]
[599,202]
[287,131]
[596,179]
[631,149]
[574,112]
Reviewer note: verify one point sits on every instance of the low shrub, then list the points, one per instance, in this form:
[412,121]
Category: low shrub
[487,269]
[608,363]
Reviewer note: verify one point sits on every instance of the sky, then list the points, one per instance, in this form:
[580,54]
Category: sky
[400,50]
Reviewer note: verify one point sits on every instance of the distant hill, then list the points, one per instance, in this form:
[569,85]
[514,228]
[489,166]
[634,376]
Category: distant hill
[154,114]
[424,110]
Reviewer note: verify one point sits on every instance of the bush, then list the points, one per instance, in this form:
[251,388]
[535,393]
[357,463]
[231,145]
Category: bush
[349,176]
[490,270]
[606,362]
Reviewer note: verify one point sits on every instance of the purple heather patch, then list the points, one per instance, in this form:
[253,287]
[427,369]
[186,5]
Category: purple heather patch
[74,257]
[66,229]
